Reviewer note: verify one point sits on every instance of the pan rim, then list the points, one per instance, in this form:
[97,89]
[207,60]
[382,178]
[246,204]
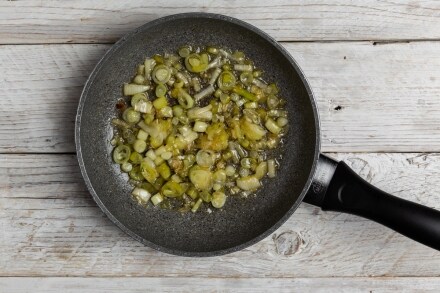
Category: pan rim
[81,162]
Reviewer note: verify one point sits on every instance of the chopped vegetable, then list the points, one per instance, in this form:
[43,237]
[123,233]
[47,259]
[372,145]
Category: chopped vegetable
[218,199]
[196,128]
[141,195]
[121,154]
[248,183]
[131,89]
[161,74]
[226,81]
[157,199]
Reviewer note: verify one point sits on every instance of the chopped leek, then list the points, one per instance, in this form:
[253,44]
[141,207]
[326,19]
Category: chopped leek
[161,90]
[161,74]
[250,183]
[226,81]
[218,199]
[197,128]
[121,154]
[131,89]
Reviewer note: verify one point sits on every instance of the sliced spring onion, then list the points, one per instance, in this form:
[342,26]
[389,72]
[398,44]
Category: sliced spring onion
[196,205]
[218,199]
[204,93]
[136,174]
[259,83]
[230,170]
[272,102]
[198,113]
[243,172]
[165,112]
[131,89]
[251,130]
[205,196]
[136,158]
[161,90]
[201,178]
[120,123]
[131,116]
[139,146]
[205,158]
[172,189]
[160,103]
[261,170]
[214,76]
[164,171]
[126,167]
[141,69]
[277,113]
[271,168]
[184,51]
[281,121]
[196,63]
[121,154]
[249,183]
[225,53]
[226,81]
[244,93]
[140,103]
[212,50]
[161,74]
[182,78]
[151,154]
[272,126]
[216,63]
[148,170]
[157,199]
[141,195]
[257,73]
[139,79]
[219,176]
[200,126]
[166,155]
[195,82]
[243,67]
[148,67]
[246,77]
[185,100]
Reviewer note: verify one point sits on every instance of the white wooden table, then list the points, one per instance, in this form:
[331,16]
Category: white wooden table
[375,69]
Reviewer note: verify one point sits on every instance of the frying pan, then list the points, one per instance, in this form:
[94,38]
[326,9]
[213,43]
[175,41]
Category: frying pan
[304,173]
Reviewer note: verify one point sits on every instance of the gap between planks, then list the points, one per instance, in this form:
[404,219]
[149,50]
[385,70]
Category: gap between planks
[194,284]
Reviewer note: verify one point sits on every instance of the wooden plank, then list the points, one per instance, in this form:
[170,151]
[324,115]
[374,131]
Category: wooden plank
[50,226]
[372,98]
[236,285]
[106,21]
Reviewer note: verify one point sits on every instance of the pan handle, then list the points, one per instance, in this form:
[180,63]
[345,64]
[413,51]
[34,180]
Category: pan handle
[336,187]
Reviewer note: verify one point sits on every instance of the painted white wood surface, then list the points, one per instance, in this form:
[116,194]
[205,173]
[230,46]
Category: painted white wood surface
[79,21]
[194,284]
[51,227]
[53,237]
[387,95]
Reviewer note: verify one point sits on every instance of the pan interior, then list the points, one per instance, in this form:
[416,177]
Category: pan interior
[241,221]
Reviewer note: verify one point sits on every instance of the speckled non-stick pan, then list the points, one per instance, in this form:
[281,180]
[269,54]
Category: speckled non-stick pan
[303,172]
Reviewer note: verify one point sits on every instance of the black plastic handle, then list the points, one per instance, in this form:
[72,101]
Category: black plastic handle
[348,192]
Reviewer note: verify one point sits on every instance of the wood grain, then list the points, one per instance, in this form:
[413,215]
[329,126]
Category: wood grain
[24,22]
[372,98]
[50,226]
[163,285]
